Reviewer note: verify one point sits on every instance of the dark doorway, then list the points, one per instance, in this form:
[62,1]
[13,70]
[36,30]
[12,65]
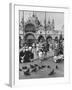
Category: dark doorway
[29,39]
[41,38]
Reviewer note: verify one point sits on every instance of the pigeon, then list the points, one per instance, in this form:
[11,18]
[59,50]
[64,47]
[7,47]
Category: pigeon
[43,66]
[25,67]
[20,69]
[35,65]
[40,67]
[27,73]
[32,66]
[34,70]
[52,72]
[56,67]
[48,66]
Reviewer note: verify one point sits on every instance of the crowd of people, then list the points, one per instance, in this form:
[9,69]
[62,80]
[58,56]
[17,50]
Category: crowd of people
[41,49]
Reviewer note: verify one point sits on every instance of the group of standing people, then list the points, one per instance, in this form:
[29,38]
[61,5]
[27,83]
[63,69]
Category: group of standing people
[41,48]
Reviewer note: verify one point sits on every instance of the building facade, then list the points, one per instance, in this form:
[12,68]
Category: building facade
[32,30]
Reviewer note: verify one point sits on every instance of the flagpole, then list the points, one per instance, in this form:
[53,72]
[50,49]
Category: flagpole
[23,27]
[45,24]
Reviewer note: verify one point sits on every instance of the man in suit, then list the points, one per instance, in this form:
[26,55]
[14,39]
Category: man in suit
[28,55]
[21,54]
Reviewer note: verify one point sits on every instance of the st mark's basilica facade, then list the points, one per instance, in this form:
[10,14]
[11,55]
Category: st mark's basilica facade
[32,30]
[41,47]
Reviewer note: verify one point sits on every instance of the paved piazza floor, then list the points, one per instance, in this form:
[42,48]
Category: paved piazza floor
[44,72]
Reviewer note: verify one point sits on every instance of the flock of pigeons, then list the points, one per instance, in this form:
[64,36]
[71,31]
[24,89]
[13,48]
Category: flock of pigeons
[27,71]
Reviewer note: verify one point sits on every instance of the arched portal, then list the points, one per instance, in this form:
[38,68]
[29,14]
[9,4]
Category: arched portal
[41,38]
[29,39]
[49,38]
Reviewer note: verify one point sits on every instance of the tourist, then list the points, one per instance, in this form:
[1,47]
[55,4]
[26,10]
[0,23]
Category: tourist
[21,55]
[40,53]
[56,44]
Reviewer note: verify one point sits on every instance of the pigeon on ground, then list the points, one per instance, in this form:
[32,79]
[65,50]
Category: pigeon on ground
[27,73]
[52,72]
[35,65]
[25,67]
[48,66]
[32,66]
[40,67]
[20,69]
[34,70]
[43,66]
[56,67]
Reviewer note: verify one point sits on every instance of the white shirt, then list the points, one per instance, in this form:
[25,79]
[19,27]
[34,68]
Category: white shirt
[40,54]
